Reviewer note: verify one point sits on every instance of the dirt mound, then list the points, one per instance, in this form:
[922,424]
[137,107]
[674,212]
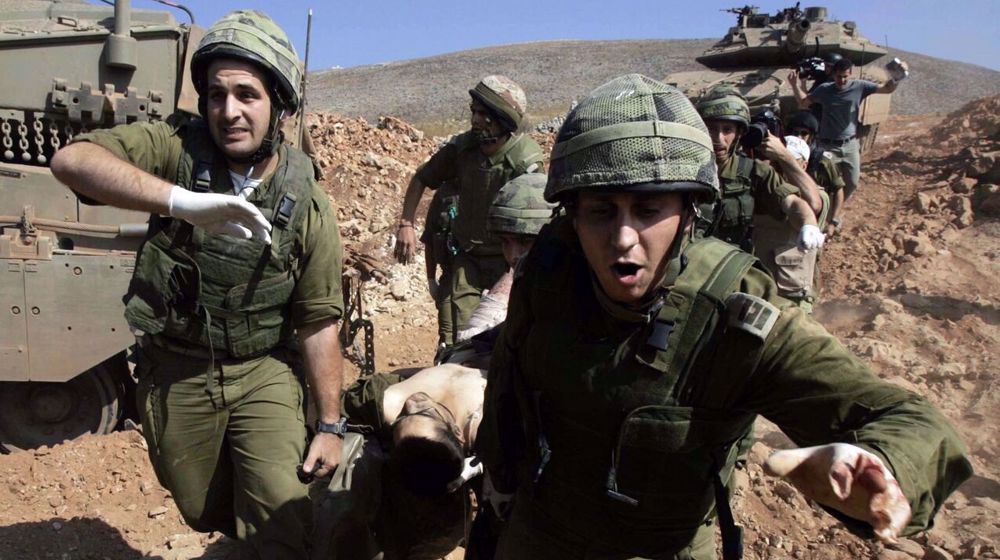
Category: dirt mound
[975,121]
[912,285]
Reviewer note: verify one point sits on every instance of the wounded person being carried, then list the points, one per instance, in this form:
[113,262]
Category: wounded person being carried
[402,490]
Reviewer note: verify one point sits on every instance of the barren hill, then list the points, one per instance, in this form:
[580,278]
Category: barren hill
[433,89]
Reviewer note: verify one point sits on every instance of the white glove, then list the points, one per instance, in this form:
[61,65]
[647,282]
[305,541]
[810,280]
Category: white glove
[500,502]
[219,213]
[810,237]
[471,468]
[848,479]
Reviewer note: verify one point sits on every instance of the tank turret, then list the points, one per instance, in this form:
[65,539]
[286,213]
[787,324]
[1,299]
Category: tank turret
[756,54]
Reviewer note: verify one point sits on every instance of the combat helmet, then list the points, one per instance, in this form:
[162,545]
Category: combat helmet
[252,36]
[520,207]
[803,119]
[503,98]
[635,134]
[725,103]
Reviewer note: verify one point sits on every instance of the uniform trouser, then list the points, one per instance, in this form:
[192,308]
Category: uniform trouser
[848,159]
[446,328]
[228,450]
[531,534]
[471,275]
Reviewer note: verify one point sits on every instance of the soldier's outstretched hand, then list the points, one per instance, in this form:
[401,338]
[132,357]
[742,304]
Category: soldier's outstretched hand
[848,479]
[406,243]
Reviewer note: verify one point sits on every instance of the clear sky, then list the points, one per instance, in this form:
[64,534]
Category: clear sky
[357,32]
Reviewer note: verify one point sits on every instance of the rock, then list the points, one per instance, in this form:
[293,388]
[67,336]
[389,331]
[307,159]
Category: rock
[889,306]
[963,185]
[918,246]
[959,204]
[185,553]
[964,220]
[909,547]
[951,370]
[925,203]
[183,540]
[898,555]
[937,553]
[786,492]
[986,168]
[157,512]
[977,547]
[399,289]
[888,247]
[986,199]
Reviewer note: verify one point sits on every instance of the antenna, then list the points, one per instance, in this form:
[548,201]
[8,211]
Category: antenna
[305,81]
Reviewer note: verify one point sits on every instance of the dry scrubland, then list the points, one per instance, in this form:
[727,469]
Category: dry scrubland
[431,90]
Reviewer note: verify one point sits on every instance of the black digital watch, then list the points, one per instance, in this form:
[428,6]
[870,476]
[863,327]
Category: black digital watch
[338,428]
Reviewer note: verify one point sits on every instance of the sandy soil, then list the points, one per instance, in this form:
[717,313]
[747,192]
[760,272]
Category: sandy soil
[912,284]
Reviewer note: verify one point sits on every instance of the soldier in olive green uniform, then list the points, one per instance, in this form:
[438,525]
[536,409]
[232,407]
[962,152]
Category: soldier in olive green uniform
[479,162]
[634,361]
[821,168]
[751,186]
[439,252]
[242,256]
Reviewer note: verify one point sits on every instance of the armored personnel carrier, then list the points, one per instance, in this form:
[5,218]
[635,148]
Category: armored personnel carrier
[757,53]
[69,67]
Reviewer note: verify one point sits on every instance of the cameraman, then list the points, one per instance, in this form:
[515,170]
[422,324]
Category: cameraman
[750,186]
[826,76]
[840,101]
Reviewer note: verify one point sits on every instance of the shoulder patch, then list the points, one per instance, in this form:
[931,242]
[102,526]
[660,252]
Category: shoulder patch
[751,314]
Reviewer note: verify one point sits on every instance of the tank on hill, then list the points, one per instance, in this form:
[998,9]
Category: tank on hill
[757,53]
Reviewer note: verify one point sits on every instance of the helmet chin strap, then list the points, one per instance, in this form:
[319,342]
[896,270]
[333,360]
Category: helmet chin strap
[271,142]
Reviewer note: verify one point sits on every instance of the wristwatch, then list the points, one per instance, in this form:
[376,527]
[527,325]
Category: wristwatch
[836,222]
[337,428]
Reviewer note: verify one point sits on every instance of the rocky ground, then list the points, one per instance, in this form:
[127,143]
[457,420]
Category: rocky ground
[912,285]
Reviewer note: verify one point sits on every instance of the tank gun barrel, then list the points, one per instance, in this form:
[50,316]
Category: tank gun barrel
[796,37]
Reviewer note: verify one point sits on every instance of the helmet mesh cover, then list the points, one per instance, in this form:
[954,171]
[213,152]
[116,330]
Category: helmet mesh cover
[634,159]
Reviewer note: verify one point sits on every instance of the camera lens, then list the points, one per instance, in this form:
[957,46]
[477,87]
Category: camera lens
[754,136]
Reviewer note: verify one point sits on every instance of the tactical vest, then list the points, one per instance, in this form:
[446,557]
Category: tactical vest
[215,291]
[732,215]
[442,241]
[826,175]
[630,427]
[478,186]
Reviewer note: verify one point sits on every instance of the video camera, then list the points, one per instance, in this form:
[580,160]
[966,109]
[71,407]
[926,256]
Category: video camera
[813,68]
[761,125]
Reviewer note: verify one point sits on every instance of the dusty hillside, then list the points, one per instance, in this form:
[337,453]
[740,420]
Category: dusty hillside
[912,285]
[554,72]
